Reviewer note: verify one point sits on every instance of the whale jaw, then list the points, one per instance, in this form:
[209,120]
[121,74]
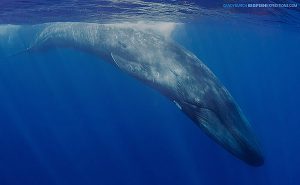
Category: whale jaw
[229,129]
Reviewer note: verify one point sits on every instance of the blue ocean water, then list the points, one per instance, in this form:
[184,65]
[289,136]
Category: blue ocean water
[67,117]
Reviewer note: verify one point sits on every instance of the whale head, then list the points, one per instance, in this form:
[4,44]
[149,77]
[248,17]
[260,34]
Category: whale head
[222,120]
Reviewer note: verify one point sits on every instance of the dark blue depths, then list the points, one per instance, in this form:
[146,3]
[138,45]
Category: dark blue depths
[66,117]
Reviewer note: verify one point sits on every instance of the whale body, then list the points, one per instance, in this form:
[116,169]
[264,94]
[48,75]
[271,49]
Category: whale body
[167,67]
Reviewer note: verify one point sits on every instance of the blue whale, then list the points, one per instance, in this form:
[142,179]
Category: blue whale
[167,67]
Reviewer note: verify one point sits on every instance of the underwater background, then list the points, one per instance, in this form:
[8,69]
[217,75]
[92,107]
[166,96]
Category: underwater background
[67,117]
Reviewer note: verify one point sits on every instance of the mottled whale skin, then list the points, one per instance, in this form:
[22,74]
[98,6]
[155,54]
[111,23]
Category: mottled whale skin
[167,67]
